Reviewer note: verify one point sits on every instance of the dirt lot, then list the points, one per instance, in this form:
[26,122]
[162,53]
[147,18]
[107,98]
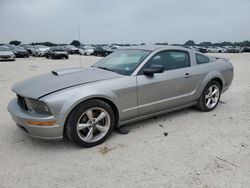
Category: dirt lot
[200,150]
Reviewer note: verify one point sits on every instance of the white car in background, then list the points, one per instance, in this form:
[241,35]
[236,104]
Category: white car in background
[41,50]
[86,50]
[6,54]
[216,49]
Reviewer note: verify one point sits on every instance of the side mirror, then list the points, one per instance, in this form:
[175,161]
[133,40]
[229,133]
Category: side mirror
[153,69]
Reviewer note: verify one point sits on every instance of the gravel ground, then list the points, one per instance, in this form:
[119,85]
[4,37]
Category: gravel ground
[201,149]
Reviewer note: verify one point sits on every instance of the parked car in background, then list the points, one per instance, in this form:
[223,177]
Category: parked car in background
[86,50]
[201,49]
[6,54]
[10,46]
[102,51]
[246,49]
[114,47]
[197,48]
[240,49]
[19,51]
[57,53]
[30,49]
[71,49]
[232,49]
[86,104]
[41,50]
[216,49]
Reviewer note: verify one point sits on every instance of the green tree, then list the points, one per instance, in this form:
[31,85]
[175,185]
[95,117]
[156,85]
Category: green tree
[44,43]
[75,43]
[206,44]
[225,43]
[161,43]
[15,42]
[190,43]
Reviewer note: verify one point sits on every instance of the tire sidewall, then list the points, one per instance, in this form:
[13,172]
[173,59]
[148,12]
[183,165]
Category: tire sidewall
[71,124]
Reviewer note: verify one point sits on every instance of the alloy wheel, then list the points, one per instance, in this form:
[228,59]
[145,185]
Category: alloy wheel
[212,96]
[93,124]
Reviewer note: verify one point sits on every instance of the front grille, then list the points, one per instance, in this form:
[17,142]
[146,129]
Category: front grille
[21,102]
[5,56]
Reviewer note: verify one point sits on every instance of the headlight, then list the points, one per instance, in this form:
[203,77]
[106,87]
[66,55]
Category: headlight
[37,106]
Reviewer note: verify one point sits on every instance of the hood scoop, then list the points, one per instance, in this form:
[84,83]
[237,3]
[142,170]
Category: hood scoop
[61,72]
[54,72]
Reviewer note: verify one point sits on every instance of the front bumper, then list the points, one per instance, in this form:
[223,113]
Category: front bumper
[7,58]
[21,117]
[42,54]
[21,55]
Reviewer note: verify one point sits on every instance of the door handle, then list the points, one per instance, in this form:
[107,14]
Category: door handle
[187,75]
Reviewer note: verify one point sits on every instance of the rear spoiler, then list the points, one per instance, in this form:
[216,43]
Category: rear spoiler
[221,58]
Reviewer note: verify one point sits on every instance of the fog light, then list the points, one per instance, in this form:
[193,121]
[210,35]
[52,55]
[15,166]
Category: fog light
[48,123]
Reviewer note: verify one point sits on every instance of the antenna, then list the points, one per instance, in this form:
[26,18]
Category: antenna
[79,39]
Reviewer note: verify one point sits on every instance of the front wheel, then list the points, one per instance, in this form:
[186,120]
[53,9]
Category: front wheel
[210,97]
[90,123]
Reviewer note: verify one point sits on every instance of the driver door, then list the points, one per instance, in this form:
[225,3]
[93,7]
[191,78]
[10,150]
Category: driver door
[169,89]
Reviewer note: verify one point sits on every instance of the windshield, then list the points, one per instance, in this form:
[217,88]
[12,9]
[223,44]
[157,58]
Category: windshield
[19,48]
[71,47]
[88,47]
[41,46]
[58,49]
[4,48]
[123,61]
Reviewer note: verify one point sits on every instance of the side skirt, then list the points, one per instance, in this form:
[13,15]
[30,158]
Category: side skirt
[155,114]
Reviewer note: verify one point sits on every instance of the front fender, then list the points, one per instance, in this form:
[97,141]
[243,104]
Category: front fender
[63,102]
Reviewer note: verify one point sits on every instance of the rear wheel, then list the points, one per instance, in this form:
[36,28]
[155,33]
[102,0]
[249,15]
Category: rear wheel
[90,123]
[210,97]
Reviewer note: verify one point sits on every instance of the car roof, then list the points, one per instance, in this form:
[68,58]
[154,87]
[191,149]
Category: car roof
[6,47]
[156,47]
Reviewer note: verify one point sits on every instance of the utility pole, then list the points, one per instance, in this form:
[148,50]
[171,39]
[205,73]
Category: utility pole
[79,39]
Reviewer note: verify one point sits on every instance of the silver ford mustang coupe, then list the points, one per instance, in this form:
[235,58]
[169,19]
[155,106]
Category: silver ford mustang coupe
[86,104]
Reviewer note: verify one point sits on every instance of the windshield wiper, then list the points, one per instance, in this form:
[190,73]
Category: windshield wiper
[105,68]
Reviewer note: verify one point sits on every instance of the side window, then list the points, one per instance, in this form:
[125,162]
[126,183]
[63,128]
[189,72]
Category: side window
[170,60]
[201,59]
[180,59]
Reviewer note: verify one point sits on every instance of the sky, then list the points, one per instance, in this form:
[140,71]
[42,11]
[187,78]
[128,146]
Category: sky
[124,21]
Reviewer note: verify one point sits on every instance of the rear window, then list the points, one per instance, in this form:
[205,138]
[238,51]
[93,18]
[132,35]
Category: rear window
[201,59]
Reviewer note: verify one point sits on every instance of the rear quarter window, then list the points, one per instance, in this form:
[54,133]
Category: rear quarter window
[201,59]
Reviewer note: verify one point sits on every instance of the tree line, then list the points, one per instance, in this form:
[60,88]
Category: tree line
[76,43]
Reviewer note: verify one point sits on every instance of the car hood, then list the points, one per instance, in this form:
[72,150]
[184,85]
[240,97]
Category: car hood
[42,85]
[6,53]
[62,52]
[20,51]
[43,49]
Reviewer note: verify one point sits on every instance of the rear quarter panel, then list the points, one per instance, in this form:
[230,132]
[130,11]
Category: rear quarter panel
[204,73]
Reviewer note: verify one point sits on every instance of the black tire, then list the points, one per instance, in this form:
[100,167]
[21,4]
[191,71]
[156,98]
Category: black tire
[202,100]
[75,115]
[67,57]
